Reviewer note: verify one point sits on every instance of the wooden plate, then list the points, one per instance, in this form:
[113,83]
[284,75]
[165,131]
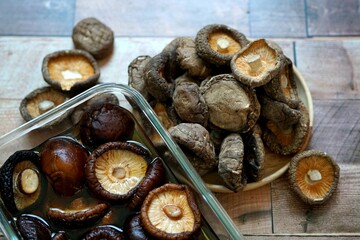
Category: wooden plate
[275,165]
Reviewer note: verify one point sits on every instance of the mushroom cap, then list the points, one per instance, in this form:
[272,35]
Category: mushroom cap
[93,36]
[70,70]
[257,63]
[170,212]
[133,228]
[115,169]
[106,123]
[217,43]
[20,190]
[78,216]
[314,176]
[33,227]
[108,232]
[41,100]
[136,71]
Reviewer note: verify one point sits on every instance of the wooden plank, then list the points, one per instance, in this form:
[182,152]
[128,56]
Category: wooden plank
[330,67]
[18,17]
[333,18]
[277,18]
[164,18]
[340,214]
[10,117]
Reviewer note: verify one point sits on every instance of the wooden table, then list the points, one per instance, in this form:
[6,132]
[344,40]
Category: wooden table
[321,37]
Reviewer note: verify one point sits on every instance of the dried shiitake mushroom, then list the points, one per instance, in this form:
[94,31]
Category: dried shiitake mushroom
[70,70]
[217,43]
[194,140]
[107,232]
[154,177]
[115,169]
[133,228]
[232,105]
[231,167]
[61,235]
[63,160]
[136,71]
[190,104]
[314,176]
[40,101]
[283,88]
[33,227]
[170,212]
[78,214]
[257,63]
[93,36]
[106,123]
[21,183]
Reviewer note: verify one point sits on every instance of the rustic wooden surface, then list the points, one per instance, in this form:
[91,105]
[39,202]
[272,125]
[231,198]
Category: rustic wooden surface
[321,37]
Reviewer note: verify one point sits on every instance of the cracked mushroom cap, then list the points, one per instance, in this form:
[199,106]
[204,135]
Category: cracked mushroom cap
[314,176]
[170,212]
[257,63]
[70,70]
[136,71]
[21,182]
[232,105]
[217,43]
[115,169]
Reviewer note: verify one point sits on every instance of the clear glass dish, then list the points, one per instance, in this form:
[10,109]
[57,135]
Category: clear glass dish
[31,134]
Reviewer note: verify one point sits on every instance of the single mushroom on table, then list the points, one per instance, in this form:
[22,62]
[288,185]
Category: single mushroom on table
[314,176]
[170,212]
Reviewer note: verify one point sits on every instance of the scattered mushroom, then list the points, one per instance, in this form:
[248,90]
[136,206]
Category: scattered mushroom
[170,212]
[32,227]
[70,70]
[21,183]
[115,169]
[63,160]
[314,176]
[103,232]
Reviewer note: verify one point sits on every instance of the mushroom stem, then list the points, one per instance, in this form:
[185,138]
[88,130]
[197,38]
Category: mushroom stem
[119,172]
[172,211]
[314,175]
[71,74]
[45,106]
[254,62]
[28,181]
[222,44]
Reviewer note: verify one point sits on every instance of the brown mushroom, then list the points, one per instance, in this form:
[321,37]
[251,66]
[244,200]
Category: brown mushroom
[78,214]
[190,104]
[108,232]
[33,227]
[115,169]
[70,70]
[232,105]
[314,176]
[170,212]
[61,235]
[257,63]
[231,167]
[63,160]
[40,101]
[195,141]
[217,43]
[106,123]
[136,71]
[94,37]
[133,228]
[21,183]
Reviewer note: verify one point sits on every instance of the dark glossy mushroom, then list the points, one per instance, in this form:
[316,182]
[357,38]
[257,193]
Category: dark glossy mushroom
[32,227]
[155,176]
[70,70]
[190,104]
[106,123]
[108,232]
[133,228]
[78,214]
[217,43]
[232,106]
[61,235]
[195,140]
[40,101]
[314,176]
[115,169]
[257,63]
[136,72]
[21,183]
[63,160]
[93,36]
[170,212]
[231,166]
